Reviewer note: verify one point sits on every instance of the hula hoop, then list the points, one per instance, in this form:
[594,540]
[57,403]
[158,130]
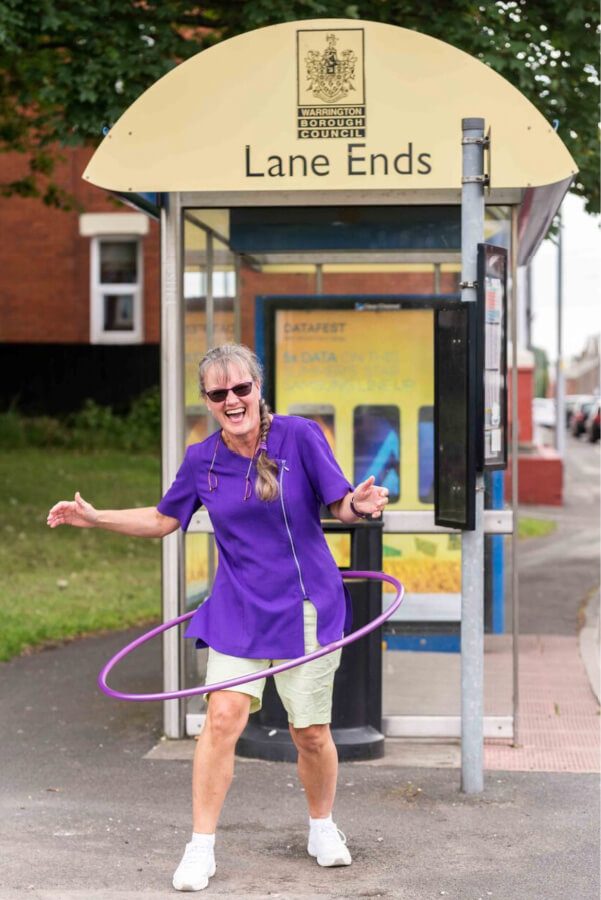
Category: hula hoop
[244,679]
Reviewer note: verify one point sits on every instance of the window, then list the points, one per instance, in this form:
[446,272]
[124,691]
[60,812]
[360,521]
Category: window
[116,290]
[224,284]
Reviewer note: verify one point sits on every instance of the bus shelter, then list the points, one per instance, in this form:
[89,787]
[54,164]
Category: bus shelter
[316,201]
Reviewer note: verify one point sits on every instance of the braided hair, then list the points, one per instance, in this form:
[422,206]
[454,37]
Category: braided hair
[266,486]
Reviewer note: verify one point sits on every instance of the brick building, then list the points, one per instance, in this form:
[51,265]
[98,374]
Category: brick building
[79,295]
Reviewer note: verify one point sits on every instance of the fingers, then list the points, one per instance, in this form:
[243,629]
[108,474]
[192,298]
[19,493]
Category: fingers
[363,488]
[63,512]
[59,507]
[373,498]
[368,488]
[381,500]
[58,513]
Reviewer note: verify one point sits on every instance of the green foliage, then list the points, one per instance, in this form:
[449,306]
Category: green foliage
[535,528]
[94,427]
[62,583]
[68,69]
[541,372]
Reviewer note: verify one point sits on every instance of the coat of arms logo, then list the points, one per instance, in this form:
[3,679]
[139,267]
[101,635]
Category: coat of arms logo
[330,66]
[330,74]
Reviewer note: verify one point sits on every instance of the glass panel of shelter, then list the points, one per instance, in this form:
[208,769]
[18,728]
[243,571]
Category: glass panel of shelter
[214,280]
[210,298]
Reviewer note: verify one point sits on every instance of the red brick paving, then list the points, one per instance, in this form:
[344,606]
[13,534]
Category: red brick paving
[559,714]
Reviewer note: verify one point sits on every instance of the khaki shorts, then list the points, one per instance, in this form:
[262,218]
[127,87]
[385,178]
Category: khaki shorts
[305,691]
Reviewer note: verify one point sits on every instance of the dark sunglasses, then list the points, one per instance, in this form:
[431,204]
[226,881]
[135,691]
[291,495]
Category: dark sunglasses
[240,390]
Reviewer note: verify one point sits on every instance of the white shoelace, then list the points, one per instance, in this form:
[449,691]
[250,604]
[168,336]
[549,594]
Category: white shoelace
[195,853]
[332,834]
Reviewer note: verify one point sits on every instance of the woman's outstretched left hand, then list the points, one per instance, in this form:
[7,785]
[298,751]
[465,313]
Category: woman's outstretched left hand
[370,498]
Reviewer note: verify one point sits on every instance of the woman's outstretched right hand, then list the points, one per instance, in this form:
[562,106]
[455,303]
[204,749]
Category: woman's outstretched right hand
[76,512]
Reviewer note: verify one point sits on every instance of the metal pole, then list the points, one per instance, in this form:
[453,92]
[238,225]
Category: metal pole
[529,306]
[437,278]
[515,584]
[560,394]
[472,552]
[210,303]
[172,442]
[210,332]
[319,278]
[237,298]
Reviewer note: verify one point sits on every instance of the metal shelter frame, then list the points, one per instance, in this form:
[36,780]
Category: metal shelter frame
[178,206]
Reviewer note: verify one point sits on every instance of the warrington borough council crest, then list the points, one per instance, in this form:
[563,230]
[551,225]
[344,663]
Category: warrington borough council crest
[331,83]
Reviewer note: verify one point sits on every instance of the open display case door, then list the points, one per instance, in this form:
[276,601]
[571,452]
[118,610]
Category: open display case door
[456,415]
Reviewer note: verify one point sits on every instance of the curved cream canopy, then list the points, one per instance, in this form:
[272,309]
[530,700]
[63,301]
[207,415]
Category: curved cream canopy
[356,104]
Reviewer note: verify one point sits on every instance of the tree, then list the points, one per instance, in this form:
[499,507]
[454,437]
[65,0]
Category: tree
[68,68]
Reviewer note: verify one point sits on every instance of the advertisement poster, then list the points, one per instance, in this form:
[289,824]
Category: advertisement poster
[199,547]
[367,377]
[493,263]
[492,303]
[195,338]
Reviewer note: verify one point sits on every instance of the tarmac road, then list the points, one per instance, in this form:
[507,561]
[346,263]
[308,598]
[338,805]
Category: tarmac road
[85,816]
[570,554]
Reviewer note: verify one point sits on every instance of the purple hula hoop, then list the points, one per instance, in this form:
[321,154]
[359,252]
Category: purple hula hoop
[244,679]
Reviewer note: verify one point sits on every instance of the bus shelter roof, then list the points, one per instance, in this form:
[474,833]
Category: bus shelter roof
[333,112]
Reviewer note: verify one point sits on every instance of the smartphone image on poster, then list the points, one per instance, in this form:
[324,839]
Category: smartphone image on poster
[377,446]
[425,439]
[322,413]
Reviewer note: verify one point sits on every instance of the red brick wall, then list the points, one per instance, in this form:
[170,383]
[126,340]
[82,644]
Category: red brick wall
[45,264]
[256,284]
[525,394]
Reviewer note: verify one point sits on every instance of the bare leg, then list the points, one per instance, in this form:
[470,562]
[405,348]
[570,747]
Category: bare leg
[317,767]
[214,756]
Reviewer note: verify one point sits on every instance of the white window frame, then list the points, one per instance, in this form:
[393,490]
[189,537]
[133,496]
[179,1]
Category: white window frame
[98,333]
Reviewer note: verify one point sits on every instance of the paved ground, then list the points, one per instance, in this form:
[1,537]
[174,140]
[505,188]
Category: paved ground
[88,811]
[85,815]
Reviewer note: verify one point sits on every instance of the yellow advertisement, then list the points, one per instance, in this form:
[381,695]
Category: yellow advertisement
[200,564]
[201,561]
[195,337]
[367,377]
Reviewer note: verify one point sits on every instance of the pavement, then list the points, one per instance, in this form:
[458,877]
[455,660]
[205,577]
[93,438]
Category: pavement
[94,805]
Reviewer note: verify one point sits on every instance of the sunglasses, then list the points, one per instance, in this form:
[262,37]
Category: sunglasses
[240,390]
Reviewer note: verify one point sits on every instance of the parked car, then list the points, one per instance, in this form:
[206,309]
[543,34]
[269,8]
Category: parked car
[579,417]
[573,401]
[543,411]
[591,425]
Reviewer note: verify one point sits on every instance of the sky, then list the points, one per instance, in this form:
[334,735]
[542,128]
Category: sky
[581,283]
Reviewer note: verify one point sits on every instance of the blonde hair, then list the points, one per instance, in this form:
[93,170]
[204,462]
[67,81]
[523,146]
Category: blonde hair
[266,487]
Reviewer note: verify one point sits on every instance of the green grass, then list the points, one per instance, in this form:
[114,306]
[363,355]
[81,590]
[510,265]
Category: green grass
[62,583]
[533,528]
[58,584]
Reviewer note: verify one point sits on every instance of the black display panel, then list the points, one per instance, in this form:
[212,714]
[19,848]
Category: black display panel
[455,416]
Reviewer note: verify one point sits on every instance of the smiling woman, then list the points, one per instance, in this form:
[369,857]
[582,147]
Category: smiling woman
[232,393]
[230,381]
[277,594]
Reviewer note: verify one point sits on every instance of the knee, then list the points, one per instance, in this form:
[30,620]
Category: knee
[226,716]
[311,740]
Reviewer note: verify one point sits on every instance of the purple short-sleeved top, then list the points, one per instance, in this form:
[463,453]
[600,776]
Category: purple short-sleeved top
[272,555]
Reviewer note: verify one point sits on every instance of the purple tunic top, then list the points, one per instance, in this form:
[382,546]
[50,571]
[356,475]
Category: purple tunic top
[272,555]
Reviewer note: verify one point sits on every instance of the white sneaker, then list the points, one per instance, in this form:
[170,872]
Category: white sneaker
[195,869]
[328,844]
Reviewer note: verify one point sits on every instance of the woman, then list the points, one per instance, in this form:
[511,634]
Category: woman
[277,595]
